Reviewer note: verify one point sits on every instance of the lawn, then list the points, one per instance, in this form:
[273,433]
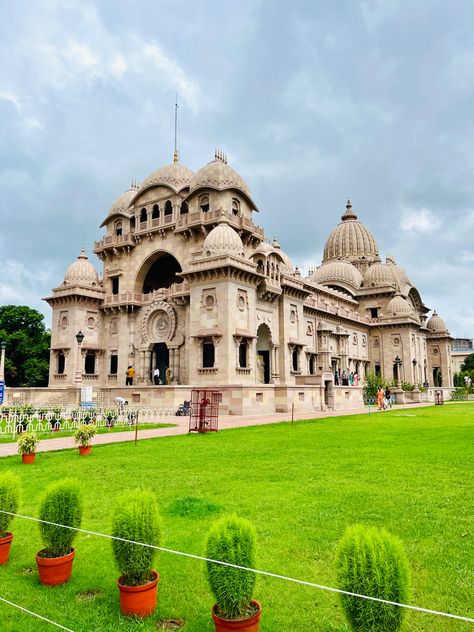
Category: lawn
[408,470]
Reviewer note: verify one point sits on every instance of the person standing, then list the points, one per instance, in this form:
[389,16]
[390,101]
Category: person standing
[388,398]
[380,398]
[156,376]
[130,374]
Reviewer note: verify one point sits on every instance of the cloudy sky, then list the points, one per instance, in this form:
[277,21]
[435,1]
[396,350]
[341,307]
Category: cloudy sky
[312,101]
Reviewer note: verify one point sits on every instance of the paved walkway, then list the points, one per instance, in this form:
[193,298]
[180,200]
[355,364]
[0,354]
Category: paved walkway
[182,425]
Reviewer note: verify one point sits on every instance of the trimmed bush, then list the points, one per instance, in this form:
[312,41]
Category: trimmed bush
[232,540]
[83,435]
[9,495]
[373,563]
[27,443]
[136,517]
[61,504]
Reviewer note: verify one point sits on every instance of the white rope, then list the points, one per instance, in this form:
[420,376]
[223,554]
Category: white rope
[252,570]
[58,625]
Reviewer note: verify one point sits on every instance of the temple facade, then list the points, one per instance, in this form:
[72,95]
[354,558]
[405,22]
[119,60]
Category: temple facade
[191,287]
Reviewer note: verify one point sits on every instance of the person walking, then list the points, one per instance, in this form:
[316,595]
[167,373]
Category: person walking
[380,398]
[156,376]
[130,374]
[388,398]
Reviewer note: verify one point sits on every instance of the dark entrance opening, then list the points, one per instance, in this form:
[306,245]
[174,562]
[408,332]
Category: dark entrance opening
[266,365]
[160,360]
[162,274]
[89,365]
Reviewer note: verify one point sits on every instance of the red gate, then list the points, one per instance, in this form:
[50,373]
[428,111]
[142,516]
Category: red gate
[204,411]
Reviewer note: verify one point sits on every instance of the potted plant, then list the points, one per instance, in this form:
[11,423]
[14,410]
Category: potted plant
[9,494]
[83,436]
[136,517]
[232,540]
[61,505]
[27,444]
[372,562]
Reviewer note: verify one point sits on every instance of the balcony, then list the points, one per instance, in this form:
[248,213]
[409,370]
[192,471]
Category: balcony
[112,243]
[194,221]
[137,299]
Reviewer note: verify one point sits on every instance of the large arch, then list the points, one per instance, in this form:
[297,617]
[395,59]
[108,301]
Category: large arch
[263,358]
[159,270]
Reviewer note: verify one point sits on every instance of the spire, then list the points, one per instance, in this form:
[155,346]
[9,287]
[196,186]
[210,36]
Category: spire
[349,214]
[175,155]
[83,253]
[220,155]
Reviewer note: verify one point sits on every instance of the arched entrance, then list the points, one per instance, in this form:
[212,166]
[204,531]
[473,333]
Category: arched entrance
[160,359]
[159,271]
[264,338]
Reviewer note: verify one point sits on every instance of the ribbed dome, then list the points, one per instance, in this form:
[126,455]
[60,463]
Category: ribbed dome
[263,248]
[81,272]
[121,204]
[350,239]
[399,273]
[436,323]
[380,275]
[223,240]
[218,175]
[175,175]
[337,271]
[398,306]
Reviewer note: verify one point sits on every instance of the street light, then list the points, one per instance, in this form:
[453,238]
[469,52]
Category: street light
[79,337]
[414,362]
[78,378]
[398,364]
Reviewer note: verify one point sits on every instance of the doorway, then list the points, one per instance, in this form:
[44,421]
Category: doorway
[263,354]
[160,360]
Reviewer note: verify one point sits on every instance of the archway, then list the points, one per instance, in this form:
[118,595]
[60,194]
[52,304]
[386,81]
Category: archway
[264,338]
[160,359]
[160,270]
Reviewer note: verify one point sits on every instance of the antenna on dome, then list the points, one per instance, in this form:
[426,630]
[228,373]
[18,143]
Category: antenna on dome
[175,155]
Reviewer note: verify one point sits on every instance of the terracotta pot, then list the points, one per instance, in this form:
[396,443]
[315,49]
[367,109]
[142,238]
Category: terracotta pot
[5,544]
[139,600]
[245,625]
[54,570]
[28,458]
[84,450]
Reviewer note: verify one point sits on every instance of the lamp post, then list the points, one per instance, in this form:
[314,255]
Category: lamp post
[414,362]
[78,378]
[3,346]
[398,364]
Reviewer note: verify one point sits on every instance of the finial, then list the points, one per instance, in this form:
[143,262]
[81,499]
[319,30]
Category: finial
[175,155]
[83,253]
[220,155]
[349,214]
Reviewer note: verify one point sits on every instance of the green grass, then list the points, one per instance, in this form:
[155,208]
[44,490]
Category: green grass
[49,434]
[409,471]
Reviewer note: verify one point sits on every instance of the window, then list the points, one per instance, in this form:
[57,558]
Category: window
[378,370]
[374,312]
[312,365]
[143,215]
[132,223]
[204,203]
[184,208]
[156,212]
[118,228]
[235,207]
[168,209]
[115,285]
[295,360]
[61,363]
[243,355]
[89,365]
[113,364]
[208,355]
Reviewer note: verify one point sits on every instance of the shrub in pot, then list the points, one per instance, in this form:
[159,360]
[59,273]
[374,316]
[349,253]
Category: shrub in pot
[9,495]
[232,540]
[27,444]
[62,505]
[136,517]
[372,562]
[83,436]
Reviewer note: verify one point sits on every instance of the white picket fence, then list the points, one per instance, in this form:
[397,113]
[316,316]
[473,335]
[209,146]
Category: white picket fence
[48,420]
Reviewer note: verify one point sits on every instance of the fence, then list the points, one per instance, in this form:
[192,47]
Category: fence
[14,420]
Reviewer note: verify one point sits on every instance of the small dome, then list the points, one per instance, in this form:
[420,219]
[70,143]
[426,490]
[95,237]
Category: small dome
[121,204]
[350,240]
[218,175]
[81,272]
[175,175]
[399,273]
[263,248]
[398,306]
[286,259]
[436,323]
[337,271]
[380,275]
[223,240]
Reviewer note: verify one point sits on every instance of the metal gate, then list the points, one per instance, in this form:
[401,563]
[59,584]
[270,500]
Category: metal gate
[204,412]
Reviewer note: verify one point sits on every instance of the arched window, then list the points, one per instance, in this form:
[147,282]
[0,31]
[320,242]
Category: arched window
[118,228]
[184,208]
[260,267]
[143,215]
[204,203]
[208,355]
[168,208]
[61,363]
[89,365]
[235,206]
[156,212]
[132,223]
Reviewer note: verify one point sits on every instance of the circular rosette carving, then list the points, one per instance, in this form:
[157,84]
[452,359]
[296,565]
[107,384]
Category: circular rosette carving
[159,322]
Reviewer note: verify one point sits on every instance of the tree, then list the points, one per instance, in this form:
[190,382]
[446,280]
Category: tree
[468,364]
[28,342]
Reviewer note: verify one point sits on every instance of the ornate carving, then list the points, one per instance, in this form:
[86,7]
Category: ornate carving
[159,322]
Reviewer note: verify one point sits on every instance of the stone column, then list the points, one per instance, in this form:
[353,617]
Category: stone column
[141,368]
[146,373]
[275,374]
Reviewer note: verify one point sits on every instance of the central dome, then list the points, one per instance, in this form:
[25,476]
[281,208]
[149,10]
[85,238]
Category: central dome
[351,240]
[218,175]
[175,175]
